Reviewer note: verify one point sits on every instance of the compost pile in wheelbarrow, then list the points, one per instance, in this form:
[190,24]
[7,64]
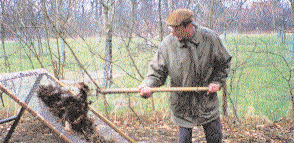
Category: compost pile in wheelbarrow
[72,110]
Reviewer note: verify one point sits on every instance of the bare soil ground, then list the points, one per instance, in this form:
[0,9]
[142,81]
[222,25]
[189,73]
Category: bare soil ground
[29,130]
[153,129]
[245,131]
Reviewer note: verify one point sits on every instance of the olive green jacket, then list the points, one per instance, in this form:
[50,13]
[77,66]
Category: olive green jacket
[198,62]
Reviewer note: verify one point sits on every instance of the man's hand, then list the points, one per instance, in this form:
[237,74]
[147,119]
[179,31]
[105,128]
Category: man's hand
[213,87]
[145,91]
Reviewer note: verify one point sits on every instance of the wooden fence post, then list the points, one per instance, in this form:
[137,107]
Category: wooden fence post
[225,102]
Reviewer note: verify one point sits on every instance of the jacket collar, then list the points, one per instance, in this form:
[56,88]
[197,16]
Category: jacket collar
[196,36]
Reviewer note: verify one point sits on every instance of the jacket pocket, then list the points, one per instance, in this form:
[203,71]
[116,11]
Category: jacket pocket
[208,103]
[180,104]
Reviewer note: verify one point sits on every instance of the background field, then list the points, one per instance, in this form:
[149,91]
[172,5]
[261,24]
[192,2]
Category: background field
[258,84]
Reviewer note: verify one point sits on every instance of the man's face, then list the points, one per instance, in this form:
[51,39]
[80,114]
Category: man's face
[180,32]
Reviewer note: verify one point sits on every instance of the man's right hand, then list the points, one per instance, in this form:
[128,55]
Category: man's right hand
[145,91]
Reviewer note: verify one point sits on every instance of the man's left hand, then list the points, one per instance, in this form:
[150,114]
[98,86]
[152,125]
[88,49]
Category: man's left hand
[213,87]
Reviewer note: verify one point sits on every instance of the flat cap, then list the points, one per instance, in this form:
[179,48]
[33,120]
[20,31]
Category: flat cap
[179,16]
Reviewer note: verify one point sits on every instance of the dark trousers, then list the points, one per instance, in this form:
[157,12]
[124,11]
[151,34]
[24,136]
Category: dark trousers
[212,130]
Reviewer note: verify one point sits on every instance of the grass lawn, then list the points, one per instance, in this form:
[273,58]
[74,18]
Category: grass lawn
[258,84]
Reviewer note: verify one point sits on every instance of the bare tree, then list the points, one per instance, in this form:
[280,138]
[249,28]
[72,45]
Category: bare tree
[6,61]
[292,28]
[109,11]
[160,20]
[211,14]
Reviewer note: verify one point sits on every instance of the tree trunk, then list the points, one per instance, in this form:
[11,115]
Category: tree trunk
[211,14]
[225,102]
[108,51]
[292,96]
[6,62]
[171,5]
[160,20]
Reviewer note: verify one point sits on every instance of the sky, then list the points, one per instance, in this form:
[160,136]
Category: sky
[249,2]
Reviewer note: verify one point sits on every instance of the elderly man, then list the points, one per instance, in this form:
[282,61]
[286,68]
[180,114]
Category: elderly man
[192,56]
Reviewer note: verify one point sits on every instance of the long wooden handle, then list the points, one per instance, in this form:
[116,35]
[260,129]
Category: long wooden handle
[155,89]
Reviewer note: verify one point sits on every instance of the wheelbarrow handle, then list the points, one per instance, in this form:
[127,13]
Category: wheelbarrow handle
[155,89]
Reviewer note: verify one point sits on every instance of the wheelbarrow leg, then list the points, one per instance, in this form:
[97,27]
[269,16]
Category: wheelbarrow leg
[15,123]
[1,97]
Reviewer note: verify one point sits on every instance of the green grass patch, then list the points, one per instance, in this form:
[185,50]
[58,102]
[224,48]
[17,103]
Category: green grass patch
[259,79]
